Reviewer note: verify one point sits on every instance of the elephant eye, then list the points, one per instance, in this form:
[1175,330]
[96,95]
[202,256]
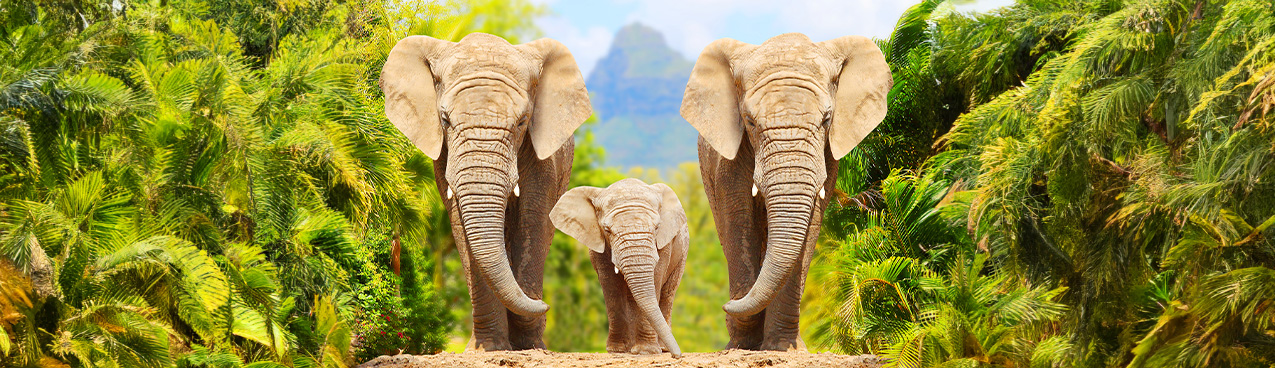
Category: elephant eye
[442,118]
[827,119]
[522,122]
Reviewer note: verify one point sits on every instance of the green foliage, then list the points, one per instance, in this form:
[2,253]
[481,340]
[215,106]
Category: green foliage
[213,184]
[909,284]
[1109,179]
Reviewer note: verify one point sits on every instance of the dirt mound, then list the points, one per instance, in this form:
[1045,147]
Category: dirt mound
[542,358]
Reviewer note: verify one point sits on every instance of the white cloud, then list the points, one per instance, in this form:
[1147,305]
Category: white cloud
[586,45]
[828,19]
[689,25]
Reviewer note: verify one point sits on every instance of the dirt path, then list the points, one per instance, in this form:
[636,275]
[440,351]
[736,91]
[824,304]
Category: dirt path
[542,358]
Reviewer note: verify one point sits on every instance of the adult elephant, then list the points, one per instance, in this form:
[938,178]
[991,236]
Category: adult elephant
[497,119]
[773,120]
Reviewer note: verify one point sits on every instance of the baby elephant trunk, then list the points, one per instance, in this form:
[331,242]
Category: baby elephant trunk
[637,264]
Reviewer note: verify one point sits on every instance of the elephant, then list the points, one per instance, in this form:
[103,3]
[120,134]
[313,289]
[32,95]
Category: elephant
[637,237]
[498,121]
[773,120]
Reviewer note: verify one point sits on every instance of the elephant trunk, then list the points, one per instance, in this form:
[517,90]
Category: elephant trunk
[790,181]
[483,180]
[637,263]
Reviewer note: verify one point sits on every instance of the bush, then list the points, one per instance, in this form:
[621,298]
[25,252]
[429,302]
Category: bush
[397,313]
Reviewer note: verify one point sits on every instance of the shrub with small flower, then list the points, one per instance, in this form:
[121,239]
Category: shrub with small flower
[382,336]
[397,314]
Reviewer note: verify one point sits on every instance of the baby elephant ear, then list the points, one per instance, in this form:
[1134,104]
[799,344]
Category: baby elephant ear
[575,216]
[862,87]
[672,217]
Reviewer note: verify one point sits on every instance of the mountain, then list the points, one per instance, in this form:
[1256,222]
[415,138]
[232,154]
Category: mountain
[636,90]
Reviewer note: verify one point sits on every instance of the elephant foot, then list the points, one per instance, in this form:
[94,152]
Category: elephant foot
[526,332]
[480,345]
[746,333]
[742,345]
[783,344]
[529,344]
[646,349]
[745,342]
[637,349]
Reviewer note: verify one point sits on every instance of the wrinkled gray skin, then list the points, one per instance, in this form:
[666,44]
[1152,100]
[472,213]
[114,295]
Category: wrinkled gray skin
[773,121]
[498,120]
[638,239]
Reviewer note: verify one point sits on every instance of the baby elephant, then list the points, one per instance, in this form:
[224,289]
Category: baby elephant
[638,237]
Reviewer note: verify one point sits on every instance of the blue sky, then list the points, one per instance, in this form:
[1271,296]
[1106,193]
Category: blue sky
[587,26]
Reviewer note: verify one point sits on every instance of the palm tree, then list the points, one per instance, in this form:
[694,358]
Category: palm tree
[982,320]
[909,284]
[172,196]
[874,272]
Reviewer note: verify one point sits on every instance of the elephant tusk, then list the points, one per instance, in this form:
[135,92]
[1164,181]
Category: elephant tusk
[822,195]
[754,190]
[617,270]
[516,191]
[449,192]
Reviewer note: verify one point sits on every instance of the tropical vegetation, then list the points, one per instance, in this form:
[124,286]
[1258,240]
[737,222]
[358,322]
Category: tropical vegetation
[212,183]
[1092,189]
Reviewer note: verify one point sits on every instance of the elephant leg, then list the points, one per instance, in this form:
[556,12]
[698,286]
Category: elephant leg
[671,281]
[527,259]
[783,316]
[490,325]
[529,233]
[645,339]
[616,295]
[673,278]
[728,184]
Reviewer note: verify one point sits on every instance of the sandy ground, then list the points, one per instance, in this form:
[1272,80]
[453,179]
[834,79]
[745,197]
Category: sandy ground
[542,358]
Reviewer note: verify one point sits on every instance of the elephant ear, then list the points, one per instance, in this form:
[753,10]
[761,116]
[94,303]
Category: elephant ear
[575,216]
[560,102]
[672,217]
[411,101]
[711,101]
[862,87]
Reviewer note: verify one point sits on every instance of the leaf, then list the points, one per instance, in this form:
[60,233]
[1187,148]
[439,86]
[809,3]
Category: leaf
[334,333]
[199,272]
[249,324]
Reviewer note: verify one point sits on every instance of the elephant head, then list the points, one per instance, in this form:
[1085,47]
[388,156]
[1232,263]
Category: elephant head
[478,100]
[636,220]
[797,102]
